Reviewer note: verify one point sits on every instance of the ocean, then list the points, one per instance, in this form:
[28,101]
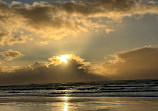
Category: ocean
[129,95]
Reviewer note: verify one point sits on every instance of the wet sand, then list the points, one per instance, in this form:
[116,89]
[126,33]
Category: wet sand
[78,103]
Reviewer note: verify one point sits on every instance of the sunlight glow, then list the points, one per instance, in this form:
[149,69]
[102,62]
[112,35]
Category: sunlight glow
[65,98]
[64,58]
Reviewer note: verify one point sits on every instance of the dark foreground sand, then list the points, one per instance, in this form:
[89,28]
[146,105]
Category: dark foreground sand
[78,103]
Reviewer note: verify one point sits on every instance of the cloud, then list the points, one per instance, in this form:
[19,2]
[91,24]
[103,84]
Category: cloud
[17,40]
[2,38]
[96,7]
[135,64]
[5,68]
[13,3]
[58,14]
[11,55]
[55,59]
[68,19]
[37,19]
[108,30]
[108,8]
[75,70]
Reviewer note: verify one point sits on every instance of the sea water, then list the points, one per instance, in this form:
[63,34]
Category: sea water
[133,95]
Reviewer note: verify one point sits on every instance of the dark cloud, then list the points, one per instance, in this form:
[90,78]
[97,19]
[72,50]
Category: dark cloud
[54,18]
[39,16]
[10,54]
[53,13]
[87,8]
[5,11]
[40,73]
[136,64]
[106,8]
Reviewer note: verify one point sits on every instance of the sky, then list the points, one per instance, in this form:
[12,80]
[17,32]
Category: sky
[103,39]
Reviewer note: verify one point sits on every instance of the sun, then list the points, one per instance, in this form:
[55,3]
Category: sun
[64,58]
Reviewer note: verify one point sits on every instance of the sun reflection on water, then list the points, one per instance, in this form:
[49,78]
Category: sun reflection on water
[65,98]
[65,105]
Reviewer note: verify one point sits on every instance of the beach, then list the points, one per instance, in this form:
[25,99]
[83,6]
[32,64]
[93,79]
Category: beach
[78,103]
[100,96]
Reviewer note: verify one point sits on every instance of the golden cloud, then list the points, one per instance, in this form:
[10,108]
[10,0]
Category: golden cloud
[39,73]
[135,64]
[2,38]
[10,54]
[17,40]
[66,19]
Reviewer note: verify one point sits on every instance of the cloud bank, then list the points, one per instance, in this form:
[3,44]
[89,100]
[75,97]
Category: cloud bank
[140,63]
[50,20]
[41,73]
